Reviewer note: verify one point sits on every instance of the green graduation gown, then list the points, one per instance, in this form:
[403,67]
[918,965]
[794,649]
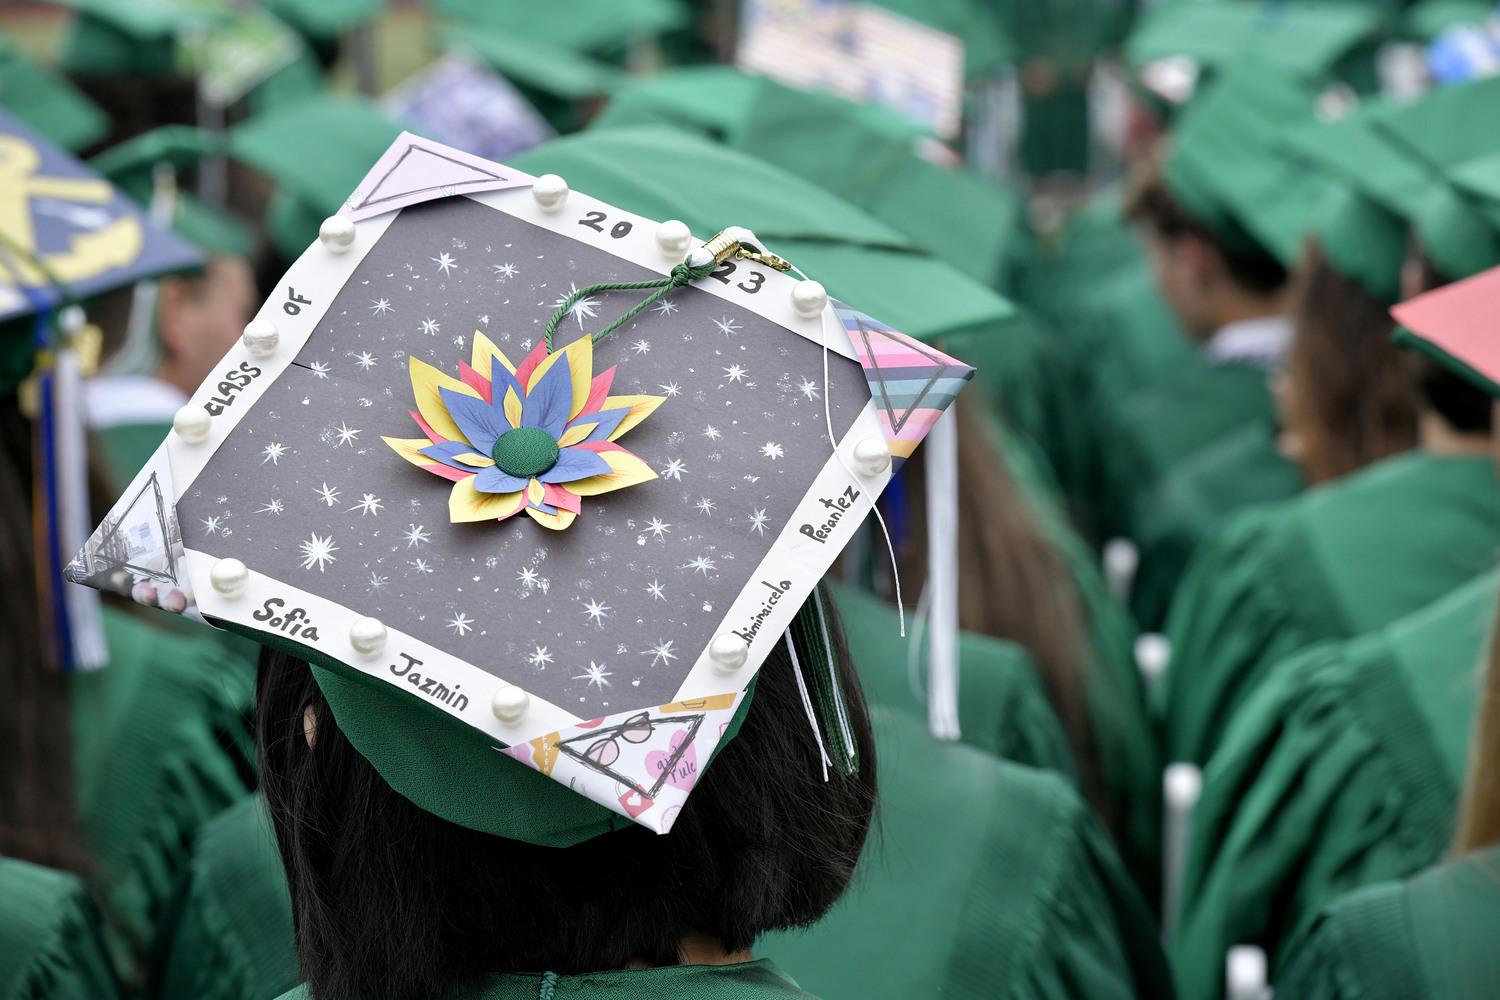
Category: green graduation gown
[1430,937]
[51,947]
[986,879]
[1334,562]
[227,932]
[162,742]
[1342,769]
[1183,510]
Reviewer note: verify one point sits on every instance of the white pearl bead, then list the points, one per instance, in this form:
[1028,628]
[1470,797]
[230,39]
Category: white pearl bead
[261,338]
[192,424]
[71,319]
[510,703]
[674,238]
[229,577]
[368,636]
[872,456]
[728,652]
[336,234]
[809,298]
[550,192]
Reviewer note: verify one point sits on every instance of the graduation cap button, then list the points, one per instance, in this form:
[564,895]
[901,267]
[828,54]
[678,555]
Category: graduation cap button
[872,456]
[368,636]
[674,238]
[336,233]
[229,577]
[260,338]
[192,424]
[728,652]
[510,703]
[550,192]
[809,298]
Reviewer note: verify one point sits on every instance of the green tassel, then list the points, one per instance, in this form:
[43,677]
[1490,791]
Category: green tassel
[811,630]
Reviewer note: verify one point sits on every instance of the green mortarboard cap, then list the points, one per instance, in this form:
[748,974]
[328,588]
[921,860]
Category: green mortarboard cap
[1458,238]
[1226,167]
[1458,326]
[578,25]
[1450,125]
[1303,39]
[713,100]
[860,260]
[47,102]
[1363,240]
[552,69]
[988,47]
[131,38]
[1365,157]
[1425,20]
[324,20]
[1479,179]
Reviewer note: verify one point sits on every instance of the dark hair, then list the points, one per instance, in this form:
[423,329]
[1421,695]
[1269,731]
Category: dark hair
[391,902]
[1465,406]
[1352,398]
[1252,268]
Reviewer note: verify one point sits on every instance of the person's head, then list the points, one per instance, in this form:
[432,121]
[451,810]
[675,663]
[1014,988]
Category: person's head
[393,902]
[1456,402]
[1207,280]
[200,316]
[1348,396]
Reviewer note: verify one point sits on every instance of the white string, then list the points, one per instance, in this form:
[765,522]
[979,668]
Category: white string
[833,677]
[812,718]
[914,649]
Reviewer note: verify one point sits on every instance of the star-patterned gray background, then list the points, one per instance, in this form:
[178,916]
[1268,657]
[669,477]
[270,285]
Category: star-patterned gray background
[603,617]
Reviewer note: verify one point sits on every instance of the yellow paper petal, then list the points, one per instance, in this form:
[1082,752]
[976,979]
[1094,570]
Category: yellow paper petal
[484,351]
[535,492]
[475,459]
[513,407]
[580,361]
[629,470]
[641,407]
[425,383]
[575,435]
[465,503]
[407,449]
[556,522]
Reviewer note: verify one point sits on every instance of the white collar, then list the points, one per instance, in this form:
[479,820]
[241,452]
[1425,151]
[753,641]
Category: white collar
[1262,341]
[113,400]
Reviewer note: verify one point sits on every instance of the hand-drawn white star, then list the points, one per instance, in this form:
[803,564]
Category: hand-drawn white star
[371,504]
[328,494]
[808,388]
[705,505]
[528,576]
[702,564]
[758,519]
[727,326]
[582,309]
[365,360]
[272,507]
[664,308]
[273,453]
[735,373]
[346,434]
[595,611]
[377,583]
[712,433]
[772,450]
[460,623]
[415,535]
[211,525]
[642,346]
[318,552]
[674,470]
[661,652]
[657,527]
[444,261]
[430,327]
[595,675]
[540,657]
[420,565]
[320,368]
[506,270]
[380,306]
[671,388]
[655,590]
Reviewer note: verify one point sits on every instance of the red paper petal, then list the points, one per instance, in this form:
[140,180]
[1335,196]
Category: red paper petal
[432,435]
[536,357]
[476,381]
[447,472]
[561,498]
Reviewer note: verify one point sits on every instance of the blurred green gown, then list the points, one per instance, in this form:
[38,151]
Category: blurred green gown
[51,946]
[1343,768]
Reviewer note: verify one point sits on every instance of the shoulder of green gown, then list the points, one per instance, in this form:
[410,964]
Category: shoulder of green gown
[51,947]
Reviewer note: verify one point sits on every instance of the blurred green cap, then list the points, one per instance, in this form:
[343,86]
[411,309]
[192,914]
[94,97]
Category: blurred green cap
[1363,240]
[56,109]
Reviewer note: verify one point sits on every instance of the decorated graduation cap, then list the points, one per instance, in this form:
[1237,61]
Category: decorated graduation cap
[1226,167]
[1456,326]
[534,482]
[47,102]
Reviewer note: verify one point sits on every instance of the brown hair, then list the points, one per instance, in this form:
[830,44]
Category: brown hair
[1479,807]
[1352,397]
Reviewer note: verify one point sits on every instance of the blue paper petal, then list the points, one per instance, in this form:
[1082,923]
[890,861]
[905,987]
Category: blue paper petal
[492,480]
[545,508]
[500,380]
[481,423]
[550,401]
[575,463]
[446,451]
[607,420]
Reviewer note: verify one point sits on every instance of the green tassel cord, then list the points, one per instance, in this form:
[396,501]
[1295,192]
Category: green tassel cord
[810,629]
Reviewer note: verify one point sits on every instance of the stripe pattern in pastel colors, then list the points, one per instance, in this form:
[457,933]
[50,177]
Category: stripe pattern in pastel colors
[912,383]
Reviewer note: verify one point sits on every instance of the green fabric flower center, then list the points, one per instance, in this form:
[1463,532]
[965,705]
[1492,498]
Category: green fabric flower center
[525,452]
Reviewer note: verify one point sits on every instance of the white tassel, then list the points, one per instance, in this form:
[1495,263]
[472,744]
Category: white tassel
[72,457]
[942,577]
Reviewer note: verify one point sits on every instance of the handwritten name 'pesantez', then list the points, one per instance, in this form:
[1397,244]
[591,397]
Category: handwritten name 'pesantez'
[756,620]
[839,505]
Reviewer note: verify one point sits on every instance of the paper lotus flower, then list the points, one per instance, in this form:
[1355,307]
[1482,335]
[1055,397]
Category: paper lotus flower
[536,437]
